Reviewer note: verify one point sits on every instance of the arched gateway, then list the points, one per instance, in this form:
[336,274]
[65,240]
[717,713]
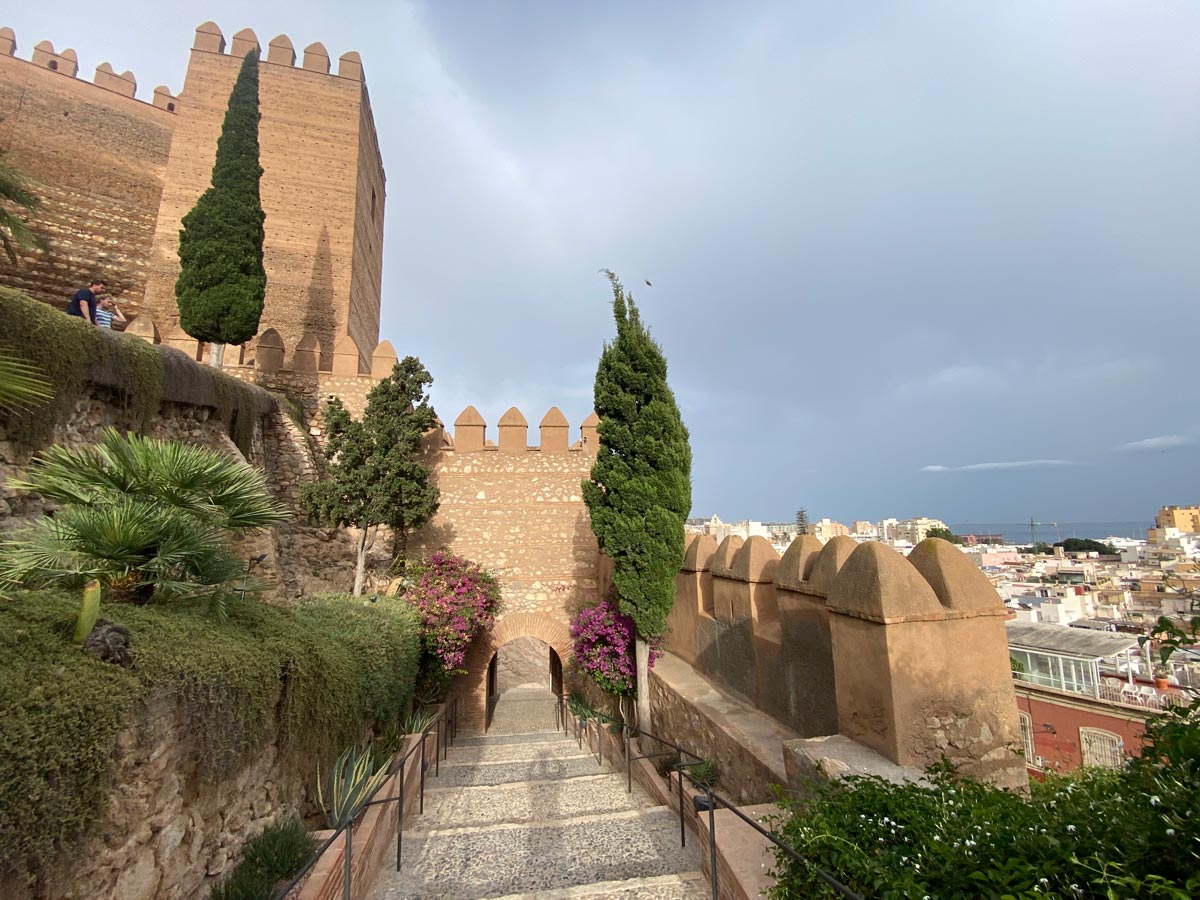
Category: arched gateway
[478,686]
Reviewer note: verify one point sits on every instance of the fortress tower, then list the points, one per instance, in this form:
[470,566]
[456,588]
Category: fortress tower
[117,174]
[322,188]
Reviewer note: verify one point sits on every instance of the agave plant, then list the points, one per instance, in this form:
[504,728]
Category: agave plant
[147,518]
[350,783]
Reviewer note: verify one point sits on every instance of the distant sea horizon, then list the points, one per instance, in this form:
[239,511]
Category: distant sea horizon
[1018,532]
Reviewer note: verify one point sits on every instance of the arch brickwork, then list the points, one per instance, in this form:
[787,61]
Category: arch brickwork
[472,687]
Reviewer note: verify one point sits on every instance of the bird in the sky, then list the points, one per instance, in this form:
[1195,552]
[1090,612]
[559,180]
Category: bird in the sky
[648,284]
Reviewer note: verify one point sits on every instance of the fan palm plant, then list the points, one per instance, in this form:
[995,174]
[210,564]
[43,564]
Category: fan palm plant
[14,230]
[147,518]
[21,385]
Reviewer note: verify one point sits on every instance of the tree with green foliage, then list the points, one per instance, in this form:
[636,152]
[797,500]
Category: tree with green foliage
[376,476]
[148,519]
[640,490]
[15,197]
[1087,545]
[802,521]
[945,534]
[222,283]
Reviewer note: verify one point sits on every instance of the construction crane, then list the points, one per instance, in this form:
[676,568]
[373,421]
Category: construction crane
[1033,527]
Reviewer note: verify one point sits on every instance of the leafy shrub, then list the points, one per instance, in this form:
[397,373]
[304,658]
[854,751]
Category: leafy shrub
[1098,833]
[280,851]
[457,600]
[704,774]
[243,883]
[315,674]
[604,645]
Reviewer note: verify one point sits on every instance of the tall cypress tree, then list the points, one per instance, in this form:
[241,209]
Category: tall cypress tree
[640,490]
[221,282]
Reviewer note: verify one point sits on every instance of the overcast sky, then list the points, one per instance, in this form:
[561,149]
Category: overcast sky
[913,258]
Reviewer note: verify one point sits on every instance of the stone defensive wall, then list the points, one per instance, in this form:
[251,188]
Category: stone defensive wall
[98,155]
[905,656]
[518,511]
[322,187]
[311,370]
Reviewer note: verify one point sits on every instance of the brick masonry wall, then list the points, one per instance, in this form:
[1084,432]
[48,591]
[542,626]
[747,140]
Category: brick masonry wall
[99,159]
[522,517]
[309,137]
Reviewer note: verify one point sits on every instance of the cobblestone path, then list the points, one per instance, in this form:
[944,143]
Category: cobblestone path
[530,815]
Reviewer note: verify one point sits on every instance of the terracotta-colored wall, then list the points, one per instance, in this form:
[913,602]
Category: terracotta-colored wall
[518,511]
[310,134]
[98,157]
[1062,748]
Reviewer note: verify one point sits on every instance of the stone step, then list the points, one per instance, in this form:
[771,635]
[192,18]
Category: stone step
[687,886]
[526,801]
[524,737]
[506,772]
[488,753]
[500,859]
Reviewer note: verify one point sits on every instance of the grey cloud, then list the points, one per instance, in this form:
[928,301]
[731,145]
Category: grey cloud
[991,466]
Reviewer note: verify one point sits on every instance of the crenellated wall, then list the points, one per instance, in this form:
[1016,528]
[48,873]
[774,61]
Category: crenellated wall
[518,511]
[97,156]
[905,656]
[322,187]
[296,371]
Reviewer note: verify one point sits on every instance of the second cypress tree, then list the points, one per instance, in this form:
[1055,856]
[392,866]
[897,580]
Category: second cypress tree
[222,283]
[640,491]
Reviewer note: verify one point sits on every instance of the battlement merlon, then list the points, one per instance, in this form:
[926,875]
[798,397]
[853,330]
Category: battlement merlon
[66,63]
[470,433]
[280,51]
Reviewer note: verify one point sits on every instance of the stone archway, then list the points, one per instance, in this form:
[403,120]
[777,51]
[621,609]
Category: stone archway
[474,688]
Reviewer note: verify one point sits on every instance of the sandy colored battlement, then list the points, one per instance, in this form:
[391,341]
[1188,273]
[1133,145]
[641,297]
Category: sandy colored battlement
[280,51]
[66,62]
[470,434]
[906,656]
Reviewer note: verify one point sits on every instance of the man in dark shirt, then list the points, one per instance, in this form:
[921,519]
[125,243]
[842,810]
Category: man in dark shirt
[85,299]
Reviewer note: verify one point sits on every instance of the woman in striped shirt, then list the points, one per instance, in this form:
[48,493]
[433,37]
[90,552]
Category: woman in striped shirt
[106,311]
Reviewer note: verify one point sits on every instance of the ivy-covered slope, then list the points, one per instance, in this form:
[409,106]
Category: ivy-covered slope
[73,354]
[312,675]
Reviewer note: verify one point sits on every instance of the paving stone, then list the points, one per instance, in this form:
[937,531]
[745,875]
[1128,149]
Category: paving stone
[536,801]
[470,863]
[488,740]
[524,709]
[489,753]
[688,886]
[506,772]
[529,815]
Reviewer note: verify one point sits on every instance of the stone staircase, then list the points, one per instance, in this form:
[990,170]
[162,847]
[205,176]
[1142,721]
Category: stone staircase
[524,815]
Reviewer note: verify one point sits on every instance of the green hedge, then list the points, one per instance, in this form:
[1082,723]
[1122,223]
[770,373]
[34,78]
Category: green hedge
[317,674]
[73,354]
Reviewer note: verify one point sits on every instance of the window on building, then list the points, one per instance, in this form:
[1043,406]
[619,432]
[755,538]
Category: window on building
[1101,748]
[1031,758]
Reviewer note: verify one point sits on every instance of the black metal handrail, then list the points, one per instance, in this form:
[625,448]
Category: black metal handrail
[711,799]
[446,723]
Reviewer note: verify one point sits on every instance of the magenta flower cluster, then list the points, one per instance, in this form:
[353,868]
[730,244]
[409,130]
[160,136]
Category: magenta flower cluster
[603,640]
[456,600]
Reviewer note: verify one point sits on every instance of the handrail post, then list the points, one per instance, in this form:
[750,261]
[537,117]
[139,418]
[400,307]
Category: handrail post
[628,760]
[712,840]
[424,734]
[400,817]
[679,772]
[347,861]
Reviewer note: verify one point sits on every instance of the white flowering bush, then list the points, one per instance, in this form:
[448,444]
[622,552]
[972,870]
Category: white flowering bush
[1099,833]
